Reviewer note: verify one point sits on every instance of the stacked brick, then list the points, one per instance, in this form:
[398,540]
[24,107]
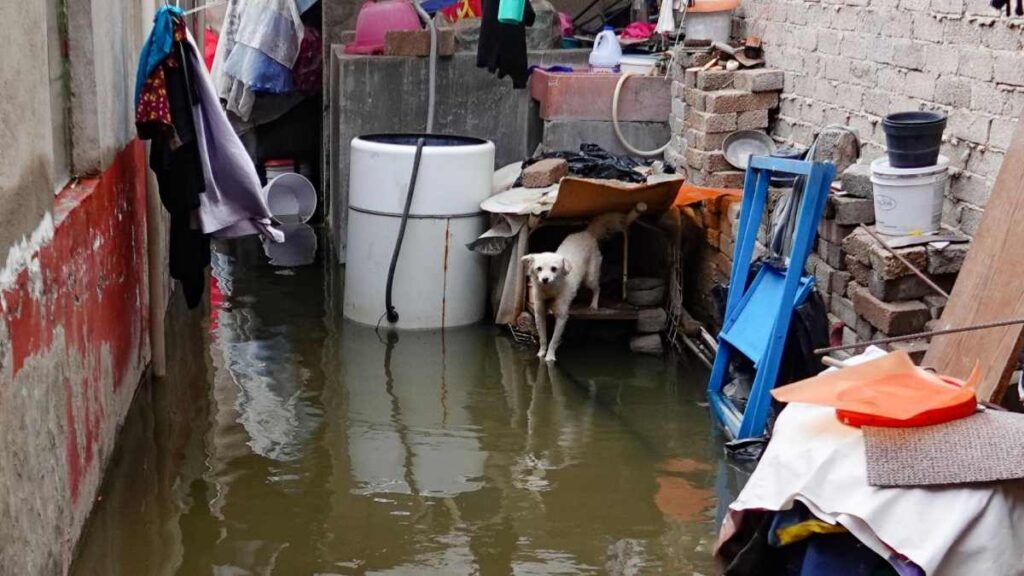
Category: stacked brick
[718,221]
[708,105]
[870,291]
[866,287]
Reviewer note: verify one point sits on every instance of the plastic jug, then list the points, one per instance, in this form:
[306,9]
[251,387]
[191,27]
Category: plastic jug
[607,52]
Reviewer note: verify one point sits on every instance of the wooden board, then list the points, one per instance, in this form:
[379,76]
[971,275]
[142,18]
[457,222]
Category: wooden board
[586,198]
[614,311]
[990,287]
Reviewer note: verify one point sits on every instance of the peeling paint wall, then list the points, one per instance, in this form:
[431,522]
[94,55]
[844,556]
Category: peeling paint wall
[73,347]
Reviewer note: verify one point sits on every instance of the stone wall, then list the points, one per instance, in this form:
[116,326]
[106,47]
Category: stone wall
[854,61]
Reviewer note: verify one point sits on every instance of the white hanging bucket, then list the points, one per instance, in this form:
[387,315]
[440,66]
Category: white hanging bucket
[291,198]
[908,201]
[298,248]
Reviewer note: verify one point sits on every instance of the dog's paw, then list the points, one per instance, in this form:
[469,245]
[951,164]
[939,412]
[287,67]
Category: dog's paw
[594,307]
[550,357]
[541,353]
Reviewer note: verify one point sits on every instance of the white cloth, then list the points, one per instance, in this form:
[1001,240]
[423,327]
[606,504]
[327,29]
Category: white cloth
[820,462]
[269,29]
[234,203]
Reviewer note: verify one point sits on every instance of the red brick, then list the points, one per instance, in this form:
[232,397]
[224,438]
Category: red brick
[706,161]
[759,80]
[893,318]
[704,141]
[752,120]
[712,237]
[729,179]
[545,173]
[710,123]
[695,99]
[858,244]
[887,266]
[739,101]
[832,231]
[708,80]
[861,272]
[832,254]
[850,211]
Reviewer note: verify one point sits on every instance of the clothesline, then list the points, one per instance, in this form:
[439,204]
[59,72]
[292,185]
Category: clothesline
[205,6]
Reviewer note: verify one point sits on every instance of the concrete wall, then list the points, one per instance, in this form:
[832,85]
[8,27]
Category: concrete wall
[26,156]
[73,347]
[104,44]
[73,284]
[854,61]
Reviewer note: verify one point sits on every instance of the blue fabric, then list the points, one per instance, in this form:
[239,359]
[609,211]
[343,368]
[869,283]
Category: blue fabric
[432,6]
[307,4]
[259,72]
[840,554]
[157,47]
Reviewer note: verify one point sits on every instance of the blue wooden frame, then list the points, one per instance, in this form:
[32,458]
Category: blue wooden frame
[757,317]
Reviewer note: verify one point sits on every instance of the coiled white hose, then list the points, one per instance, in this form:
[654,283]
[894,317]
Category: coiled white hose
[615,121]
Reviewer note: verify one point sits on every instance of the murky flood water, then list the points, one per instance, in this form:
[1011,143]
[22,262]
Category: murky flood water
[287,441]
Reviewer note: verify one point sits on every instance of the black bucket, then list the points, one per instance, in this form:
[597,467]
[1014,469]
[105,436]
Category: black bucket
[912,139]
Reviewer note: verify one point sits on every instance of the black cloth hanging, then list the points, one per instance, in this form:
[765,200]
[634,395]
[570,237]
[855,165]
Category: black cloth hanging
[502,47]
[174,158]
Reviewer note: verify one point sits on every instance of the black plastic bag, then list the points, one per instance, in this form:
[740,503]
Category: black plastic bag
[592,161]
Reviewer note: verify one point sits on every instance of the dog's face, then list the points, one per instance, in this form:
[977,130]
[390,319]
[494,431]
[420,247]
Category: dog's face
[546,268]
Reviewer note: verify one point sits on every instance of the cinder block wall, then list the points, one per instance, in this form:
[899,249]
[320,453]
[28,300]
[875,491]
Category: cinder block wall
[854,61]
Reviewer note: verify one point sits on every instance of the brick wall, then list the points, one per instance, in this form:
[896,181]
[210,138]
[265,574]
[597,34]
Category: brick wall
[854,61]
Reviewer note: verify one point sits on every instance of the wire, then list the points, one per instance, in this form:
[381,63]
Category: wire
[615,120]
[389,310]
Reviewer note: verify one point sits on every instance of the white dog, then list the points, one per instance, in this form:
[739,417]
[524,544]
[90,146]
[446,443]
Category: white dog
[557,276]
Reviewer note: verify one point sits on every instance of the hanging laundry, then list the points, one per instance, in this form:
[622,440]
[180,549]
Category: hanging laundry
[502,48]
[309,66]
[260,41]
[207,182]
[158,46]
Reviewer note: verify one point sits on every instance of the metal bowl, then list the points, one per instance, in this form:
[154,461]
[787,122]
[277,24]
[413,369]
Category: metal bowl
[742,144]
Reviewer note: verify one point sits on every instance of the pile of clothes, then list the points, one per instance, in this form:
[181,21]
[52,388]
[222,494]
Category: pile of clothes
[208,183]
[266,48]
[832,498]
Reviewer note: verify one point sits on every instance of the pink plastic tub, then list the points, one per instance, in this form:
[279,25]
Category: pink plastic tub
[378,18]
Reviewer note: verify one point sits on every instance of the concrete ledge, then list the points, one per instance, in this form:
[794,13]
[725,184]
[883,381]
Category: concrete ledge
[588,96]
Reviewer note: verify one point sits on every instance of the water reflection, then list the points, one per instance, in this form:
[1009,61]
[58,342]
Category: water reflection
[295,443]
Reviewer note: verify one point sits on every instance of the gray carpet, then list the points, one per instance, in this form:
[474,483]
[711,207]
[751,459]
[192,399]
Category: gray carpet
[985,447]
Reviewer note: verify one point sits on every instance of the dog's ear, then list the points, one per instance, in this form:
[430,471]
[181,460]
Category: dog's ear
[527,260]
[566,265]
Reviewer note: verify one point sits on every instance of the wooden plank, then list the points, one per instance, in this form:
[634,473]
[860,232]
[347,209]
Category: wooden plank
[586,198]
[990,287]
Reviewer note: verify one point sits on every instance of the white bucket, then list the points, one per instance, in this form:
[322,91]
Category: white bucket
[291,198]
[908,201]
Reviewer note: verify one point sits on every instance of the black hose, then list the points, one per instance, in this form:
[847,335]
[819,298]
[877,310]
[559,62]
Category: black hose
[389,309]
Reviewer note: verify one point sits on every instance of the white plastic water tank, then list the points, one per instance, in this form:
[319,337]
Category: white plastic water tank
[438,282]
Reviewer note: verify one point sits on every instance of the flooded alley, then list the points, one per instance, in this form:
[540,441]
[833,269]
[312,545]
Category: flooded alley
[288,441]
